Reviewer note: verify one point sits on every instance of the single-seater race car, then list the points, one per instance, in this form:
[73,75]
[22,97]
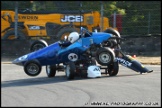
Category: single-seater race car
[108,55]
[79,54]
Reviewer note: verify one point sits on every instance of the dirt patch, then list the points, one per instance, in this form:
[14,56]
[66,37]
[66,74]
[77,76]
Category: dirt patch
[149,60]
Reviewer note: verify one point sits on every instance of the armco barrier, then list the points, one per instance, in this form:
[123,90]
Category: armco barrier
[14,47]
[17,47]
[141,46]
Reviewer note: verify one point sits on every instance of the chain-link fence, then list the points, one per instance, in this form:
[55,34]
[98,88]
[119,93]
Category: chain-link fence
[143,18]
[129,17]
[137,18]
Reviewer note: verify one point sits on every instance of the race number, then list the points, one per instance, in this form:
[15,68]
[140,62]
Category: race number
[73,57]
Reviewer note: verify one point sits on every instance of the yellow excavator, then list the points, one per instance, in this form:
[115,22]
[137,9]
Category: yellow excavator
[49,24]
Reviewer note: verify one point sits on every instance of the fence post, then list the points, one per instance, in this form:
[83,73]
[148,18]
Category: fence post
[149,23]
[101,16]
[114,20]
[80,4]
[16,18]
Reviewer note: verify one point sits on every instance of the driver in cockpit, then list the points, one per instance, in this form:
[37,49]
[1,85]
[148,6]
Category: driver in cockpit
[73,37]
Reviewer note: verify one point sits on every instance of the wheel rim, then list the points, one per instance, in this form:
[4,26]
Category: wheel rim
[67,71]
[33,68]
[48,69]
[104,57]
[37,47]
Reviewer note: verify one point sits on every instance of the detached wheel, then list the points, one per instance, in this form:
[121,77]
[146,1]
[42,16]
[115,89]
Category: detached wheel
[114,32]
[32,68]
[105,56]
[113,69]
[38,44]
[51,70]
[70,70]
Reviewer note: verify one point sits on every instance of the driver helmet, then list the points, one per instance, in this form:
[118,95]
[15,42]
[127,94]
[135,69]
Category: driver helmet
[73,36]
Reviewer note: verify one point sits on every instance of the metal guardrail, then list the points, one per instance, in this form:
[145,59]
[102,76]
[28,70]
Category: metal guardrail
[141,36]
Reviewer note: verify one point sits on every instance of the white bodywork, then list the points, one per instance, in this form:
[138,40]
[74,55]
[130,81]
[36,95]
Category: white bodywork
[93,71]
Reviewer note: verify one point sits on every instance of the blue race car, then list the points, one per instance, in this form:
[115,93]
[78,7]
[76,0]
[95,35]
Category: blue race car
[77,54]
[57,53]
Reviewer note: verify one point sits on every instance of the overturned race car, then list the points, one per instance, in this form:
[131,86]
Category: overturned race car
[79,54]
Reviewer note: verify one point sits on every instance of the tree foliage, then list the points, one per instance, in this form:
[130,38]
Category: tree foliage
[141,16]
[10,5]
[135,13]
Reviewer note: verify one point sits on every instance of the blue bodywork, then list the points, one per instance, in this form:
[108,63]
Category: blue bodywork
[55,54]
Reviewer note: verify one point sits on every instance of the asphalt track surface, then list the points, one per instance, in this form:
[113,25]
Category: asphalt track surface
[128,88]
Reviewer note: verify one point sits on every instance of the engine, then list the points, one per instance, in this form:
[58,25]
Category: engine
[110,43]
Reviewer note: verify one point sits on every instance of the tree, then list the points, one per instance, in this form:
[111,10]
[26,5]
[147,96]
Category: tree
[10,5]
[136,19]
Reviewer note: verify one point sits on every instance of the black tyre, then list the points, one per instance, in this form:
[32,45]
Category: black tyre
[38,44]
[32,68]
[93,61]
[114,32]
[70,70]
[51,70]
[105,56]
[11,35]
[113,69]
[65,32]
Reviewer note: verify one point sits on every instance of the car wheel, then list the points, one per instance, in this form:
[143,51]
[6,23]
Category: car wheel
[32,68]
[70,70]
[10,34]
[105,56]
[51,70]
[114,32]
[38,44]
[93,61]
[113,69]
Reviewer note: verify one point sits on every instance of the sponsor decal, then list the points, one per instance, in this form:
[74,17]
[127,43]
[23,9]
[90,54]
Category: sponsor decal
[142,66]
[73,57]
[72,18]
[28,17]
[96,69]
[124,62]
[35,27]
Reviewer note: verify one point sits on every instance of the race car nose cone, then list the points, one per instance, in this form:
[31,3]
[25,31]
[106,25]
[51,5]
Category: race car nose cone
[16,62]
[150,71]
